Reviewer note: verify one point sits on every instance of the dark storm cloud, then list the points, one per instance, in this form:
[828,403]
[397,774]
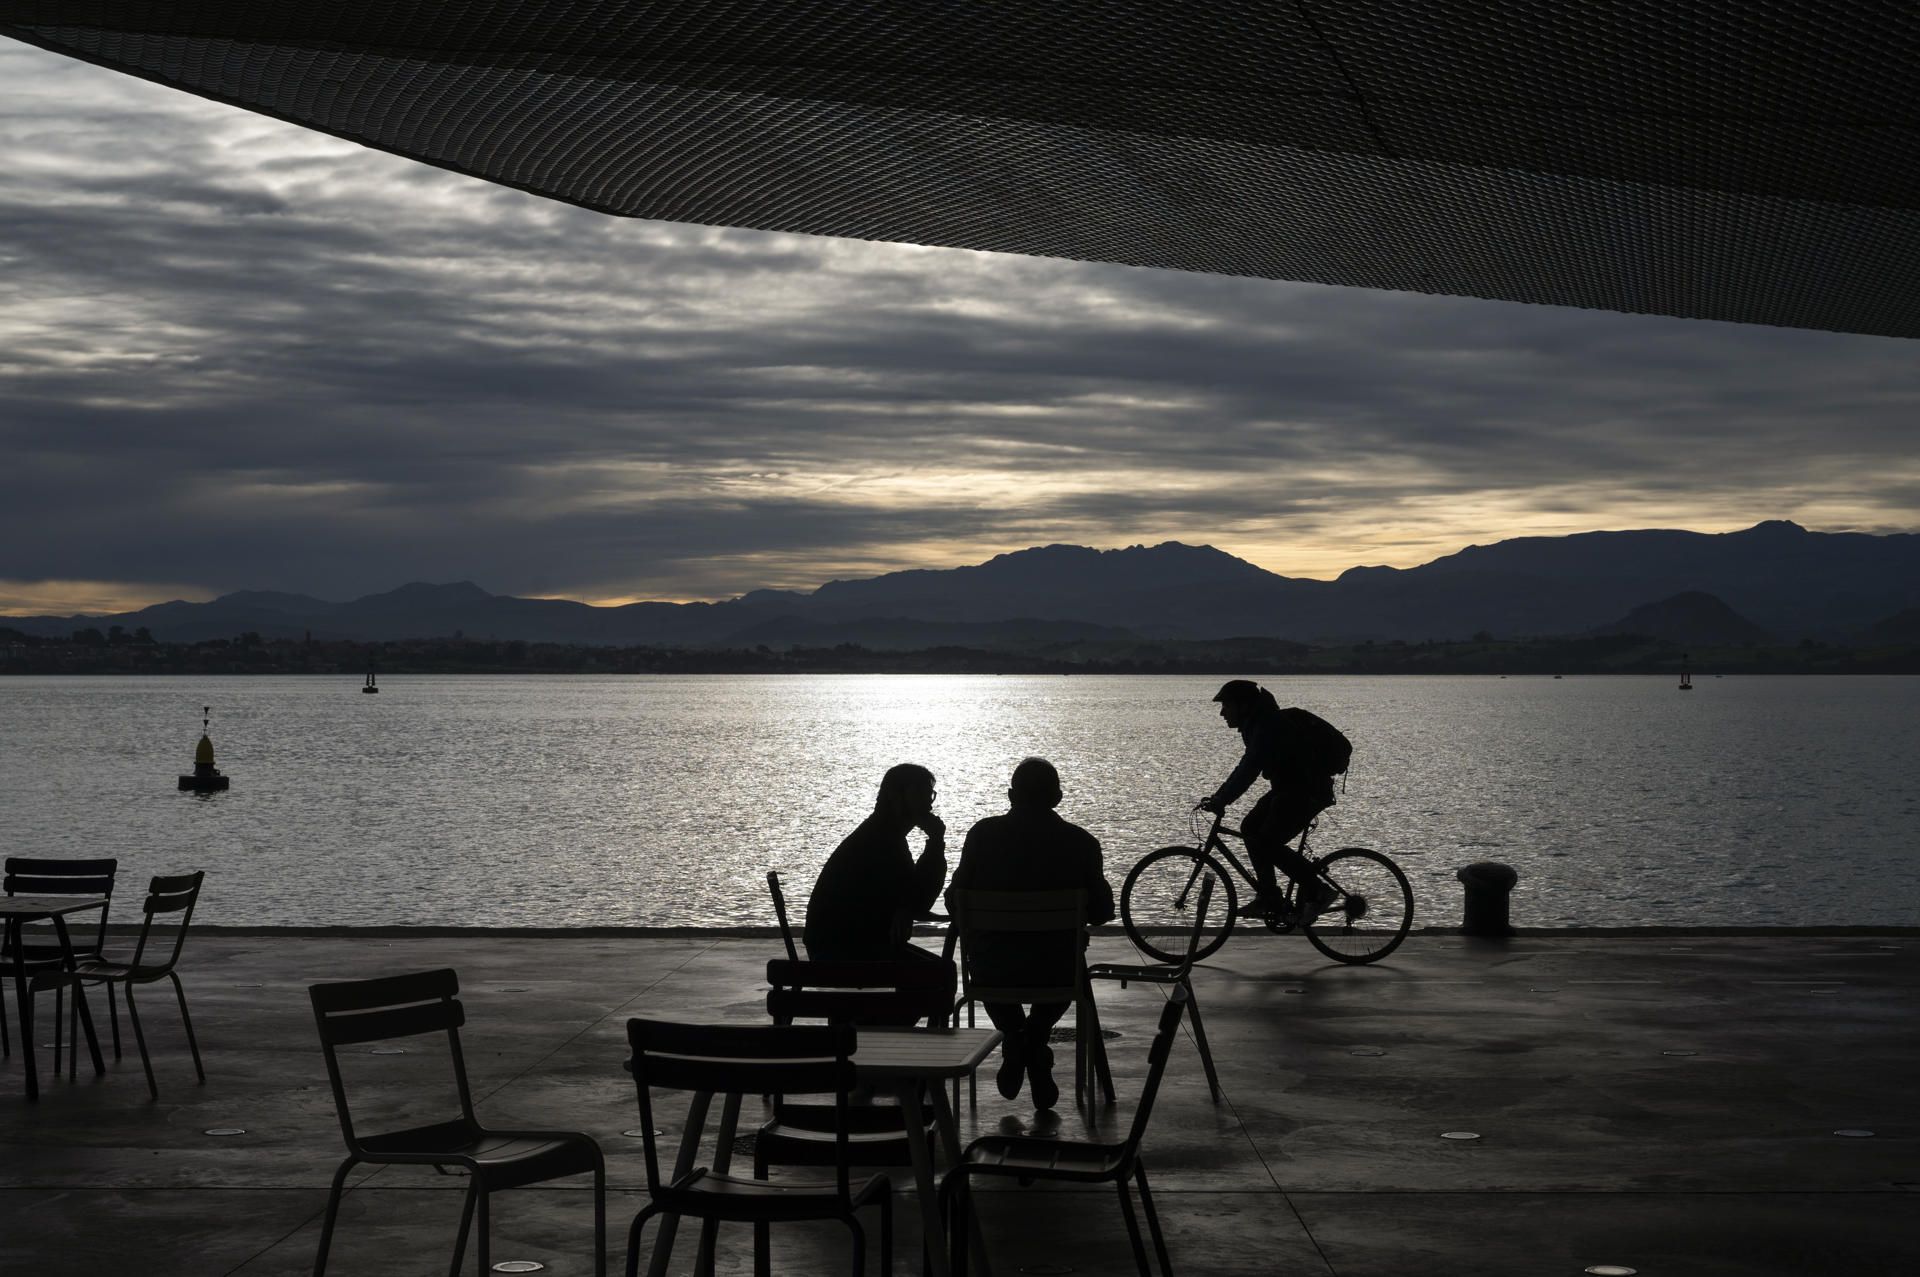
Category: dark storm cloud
[233,353]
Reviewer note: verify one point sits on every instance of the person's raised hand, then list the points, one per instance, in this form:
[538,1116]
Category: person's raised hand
[934,827]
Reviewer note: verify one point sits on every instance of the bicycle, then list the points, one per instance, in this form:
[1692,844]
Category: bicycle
[1370,915]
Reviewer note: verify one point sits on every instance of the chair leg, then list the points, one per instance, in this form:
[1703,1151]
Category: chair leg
[1097,1050]
[600,1219]
[886,1235]
[1153,1220]
[1133,1228]
[187,1022]
[113,1019]
[332,1215]
[484,1242]
[633,1239]
[957,1201]
[1200,1041]
[140,1040]
[859,1245]
[466,1222]
[59,1023]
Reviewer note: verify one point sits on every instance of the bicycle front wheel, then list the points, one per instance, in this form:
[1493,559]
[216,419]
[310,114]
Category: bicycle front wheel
[1374,910]
[1158,900]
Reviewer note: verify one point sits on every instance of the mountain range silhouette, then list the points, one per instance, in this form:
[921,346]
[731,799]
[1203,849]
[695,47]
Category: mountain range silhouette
[1774,579]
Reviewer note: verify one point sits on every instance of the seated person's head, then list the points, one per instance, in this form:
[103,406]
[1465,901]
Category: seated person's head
[1035,784]
[906,792]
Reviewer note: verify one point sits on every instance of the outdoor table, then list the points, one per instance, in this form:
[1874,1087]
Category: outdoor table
[16,910]
[901,1062]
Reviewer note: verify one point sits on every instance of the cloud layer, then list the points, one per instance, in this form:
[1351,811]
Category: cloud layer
[235,354]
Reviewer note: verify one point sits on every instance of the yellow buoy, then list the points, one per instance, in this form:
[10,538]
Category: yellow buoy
[205,778]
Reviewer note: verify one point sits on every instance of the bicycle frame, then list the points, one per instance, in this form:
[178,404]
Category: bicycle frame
[1213,843]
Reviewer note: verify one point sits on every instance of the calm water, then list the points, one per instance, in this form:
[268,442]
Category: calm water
[660,800]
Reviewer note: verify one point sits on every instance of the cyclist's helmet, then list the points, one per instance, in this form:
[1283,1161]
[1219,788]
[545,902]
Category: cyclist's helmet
[1238,689]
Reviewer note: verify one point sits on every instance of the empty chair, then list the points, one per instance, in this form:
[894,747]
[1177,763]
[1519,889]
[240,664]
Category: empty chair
[1060,979]
[1027,1158]
[360,1011]
[1178,973]
[165,896]
[733,1061]
[780,912]
[43,876]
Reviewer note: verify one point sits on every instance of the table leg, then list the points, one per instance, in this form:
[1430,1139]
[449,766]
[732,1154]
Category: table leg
[943,1116]
[931,1229]
[79,997]
[27,1045]
[682,1166]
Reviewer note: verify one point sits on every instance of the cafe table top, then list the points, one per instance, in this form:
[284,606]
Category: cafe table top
[923,1053]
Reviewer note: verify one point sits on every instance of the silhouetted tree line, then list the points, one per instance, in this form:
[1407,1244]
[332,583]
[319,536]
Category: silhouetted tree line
[114,651]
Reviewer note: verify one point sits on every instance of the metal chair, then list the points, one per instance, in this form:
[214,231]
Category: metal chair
[1027,1158]
[780,912]
[360,1011]
[40,876]
[1034,913]
[165,895]
[733,1061]
[1179,974]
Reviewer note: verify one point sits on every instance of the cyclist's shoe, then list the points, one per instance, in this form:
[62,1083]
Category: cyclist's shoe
[1316,898]
[1261,906]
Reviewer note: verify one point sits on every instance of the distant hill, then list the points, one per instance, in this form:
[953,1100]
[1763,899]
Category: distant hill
[1902,627]
[1693,617]
[1775,576]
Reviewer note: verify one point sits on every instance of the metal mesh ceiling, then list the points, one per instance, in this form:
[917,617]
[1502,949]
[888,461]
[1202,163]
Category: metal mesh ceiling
[1721,159]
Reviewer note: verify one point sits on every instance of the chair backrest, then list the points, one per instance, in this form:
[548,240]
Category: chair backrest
[166,896]
[780,912]
[1156,1066]
[873,993]
[41,876]
[353,1012]
[1022,912]
[741,1060]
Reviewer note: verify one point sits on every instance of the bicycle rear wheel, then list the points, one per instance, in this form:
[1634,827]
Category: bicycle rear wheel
[1374,910]
[1158,899]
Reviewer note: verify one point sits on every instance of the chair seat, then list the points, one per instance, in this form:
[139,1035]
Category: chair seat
[107,969]
[735,1197]
[1043,1159]
[504,1159]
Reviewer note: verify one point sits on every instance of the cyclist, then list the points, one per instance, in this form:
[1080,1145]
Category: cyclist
[1281,745]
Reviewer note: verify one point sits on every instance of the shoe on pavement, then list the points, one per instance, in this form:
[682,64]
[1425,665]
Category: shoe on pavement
[1046,1091]
[1013,1066]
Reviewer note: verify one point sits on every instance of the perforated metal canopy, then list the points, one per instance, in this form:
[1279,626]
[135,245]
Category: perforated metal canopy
[1720,159]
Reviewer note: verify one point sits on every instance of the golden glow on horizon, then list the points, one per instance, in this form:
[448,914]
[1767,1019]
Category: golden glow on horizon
[91,598]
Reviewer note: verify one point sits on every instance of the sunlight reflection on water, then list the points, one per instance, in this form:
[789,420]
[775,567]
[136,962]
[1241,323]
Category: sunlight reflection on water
[663,800]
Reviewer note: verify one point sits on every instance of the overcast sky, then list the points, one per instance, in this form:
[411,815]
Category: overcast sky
[234,354]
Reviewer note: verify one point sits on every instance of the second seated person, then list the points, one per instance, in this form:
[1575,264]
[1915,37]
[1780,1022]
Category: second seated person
[1031,848]
[871,888]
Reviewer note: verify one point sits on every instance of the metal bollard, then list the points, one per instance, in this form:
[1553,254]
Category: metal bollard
[1488,885]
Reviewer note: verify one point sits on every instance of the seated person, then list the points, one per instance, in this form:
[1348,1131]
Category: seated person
[1029,849]
[871,888]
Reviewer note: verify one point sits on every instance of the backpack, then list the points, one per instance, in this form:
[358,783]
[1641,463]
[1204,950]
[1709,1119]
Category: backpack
[1324,746]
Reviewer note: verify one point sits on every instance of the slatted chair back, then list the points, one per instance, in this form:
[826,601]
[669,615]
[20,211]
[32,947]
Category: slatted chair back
[41,876]
[1156,1066]
[356,1012]
[1029,912]
[780,912]
[872,993]
[741,1060]
[167,895]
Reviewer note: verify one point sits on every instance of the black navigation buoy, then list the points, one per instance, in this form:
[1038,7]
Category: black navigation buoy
[206,778]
